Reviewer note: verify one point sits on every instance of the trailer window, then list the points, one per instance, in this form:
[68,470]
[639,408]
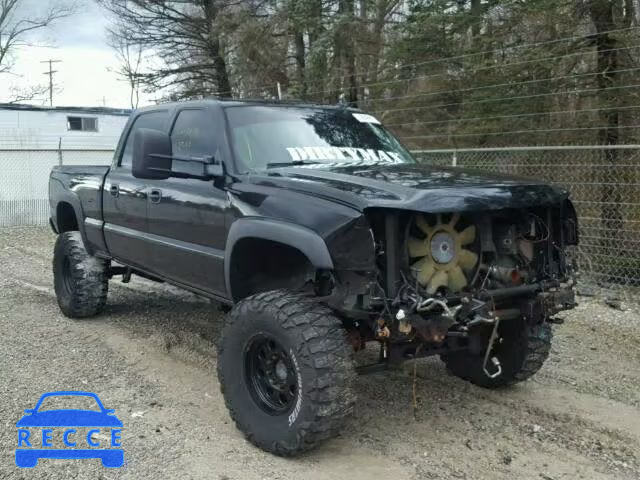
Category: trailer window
[82,124]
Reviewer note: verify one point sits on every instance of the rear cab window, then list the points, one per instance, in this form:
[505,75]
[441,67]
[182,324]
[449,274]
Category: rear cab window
[155,120]
[192,136]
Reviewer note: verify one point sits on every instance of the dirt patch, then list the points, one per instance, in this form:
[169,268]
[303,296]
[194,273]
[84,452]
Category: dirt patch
[151,357]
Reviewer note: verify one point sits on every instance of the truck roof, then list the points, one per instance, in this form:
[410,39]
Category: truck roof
[231,102]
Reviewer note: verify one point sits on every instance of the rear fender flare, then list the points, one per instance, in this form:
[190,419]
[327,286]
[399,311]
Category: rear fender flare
[65,196]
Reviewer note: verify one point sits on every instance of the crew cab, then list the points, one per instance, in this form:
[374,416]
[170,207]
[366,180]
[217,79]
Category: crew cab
[322,234]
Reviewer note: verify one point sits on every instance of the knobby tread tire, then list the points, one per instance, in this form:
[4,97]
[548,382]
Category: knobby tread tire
[84,293]
[319,341]
[524,350]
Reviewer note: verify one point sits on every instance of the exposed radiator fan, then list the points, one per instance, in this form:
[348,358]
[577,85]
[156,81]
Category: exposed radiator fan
[442,253]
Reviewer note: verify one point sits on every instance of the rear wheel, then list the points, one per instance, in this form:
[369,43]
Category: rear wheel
[286,371]
[521,349]
[80,280]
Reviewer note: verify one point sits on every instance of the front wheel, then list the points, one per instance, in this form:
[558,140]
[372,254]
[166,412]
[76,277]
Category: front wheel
[286,371]
[80,280]
[521,349]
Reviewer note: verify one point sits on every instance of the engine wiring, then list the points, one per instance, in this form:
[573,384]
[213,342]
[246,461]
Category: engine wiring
[538,222]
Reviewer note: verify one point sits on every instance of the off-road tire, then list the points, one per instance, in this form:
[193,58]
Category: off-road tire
[522,352]
[323,360]
[80,280]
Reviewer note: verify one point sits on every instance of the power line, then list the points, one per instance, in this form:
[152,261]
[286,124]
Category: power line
[50,73]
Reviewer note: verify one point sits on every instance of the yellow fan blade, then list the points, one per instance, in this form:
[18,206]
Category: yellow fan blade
[417,247]
[424,270]
[457,279]
[467,259]
[440,279]
[454,219]
[468,235]
[423,225]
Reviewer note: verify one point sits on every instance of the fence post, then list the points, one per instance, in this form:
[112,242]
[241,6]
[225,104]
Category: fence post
[59,150]
[454,159]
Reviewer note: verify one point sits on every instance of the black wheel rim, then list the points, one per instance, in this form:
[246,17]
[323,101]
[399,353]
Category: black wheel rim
[67,278]
[270,375]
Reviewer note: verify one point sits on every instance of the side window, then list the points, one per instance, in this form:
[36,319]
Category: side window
[153,120]
[192,134]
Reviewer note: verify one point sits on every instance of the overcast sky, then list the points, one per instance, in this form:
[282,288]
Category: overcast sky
[83,77]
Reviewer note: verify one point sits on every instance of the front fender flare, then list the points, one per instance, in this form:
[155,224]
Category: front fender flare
[296,236]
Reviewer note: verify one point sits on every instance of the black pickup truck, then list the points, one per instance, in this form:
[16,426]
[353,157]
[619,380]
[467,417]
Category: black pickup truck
[321,234]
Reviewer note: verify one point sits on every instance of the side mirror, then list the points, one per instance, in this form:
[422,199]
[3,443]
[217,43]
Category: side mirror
[153,159]
[151,154]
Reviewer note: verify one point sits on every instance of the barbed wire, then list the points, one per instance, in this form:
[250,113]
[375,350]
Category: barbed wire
[510,84]
[271,87]
[511,132]
[519,97]
[517,115]
[479,69]
[495,50]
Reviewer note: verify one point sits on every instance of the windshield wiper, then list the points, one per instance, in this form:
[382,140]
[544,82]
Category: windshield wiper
[293,163]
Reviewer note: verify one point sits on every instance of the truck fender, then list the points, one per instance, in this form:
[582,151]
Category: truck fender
[301,238]
[65,196]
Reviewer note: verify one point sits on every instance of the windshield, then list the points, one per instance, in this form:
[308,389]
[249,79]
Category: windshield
[266,137]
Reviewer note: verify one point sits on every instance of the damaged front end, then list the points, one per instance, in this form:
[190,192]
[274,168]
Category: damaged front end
[444,282]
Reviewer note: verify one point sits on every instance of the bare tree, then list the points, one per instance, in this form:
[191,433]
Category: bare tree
[25,94]
[130,57]
[185,37]
[15,27]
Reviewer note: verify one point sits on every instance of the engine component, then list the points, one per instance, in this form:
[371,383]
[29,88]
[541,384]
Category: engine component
[382,331]
[432,329]
[404,326]
[505,238]
[526,249]
[505,270]
[494,360]
[440,258]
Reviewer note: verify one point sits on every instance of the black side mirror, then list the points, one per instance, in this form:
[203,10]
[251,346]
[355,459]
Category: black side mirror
[151,154]
[153,159]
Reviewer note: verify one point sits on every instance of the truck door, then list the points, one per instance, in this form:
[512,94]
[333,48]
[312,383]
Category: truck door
[186,216]
[124,199]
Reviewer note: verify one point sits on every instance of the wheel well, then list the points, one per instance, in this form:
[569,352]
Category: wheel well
[259,265]
[66,217]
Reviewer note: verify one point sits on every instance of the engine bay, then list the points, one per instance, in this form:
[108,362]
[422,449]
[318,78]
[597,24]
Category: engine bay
[447,280]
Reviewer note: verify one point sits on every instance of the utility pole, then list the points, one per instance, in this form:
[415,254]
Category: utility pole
[50,73]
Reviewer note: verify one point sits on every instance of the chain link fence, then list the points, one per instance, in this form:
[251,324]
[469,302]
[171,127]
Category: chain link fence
[24,180]
[604,182]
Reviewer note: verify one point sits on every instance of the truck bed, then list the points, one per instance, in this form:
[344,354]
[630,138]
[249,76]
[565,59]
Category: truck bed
[80,186]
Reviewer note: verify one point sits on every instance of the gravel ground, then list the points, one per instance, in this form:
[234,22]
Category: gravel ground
[151,357]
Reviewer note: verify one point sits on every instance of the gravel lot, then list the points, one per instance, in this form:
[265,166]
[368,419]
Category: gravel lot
[151,357]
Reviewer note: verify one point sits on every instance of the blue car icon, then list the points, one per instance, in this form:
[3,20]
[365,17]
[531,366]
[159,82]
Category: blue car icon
[69,419]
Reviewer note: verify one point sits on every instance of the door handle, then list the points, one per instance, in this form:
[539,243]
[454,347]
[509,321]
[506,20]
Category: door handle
[155,195]
[114,190]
